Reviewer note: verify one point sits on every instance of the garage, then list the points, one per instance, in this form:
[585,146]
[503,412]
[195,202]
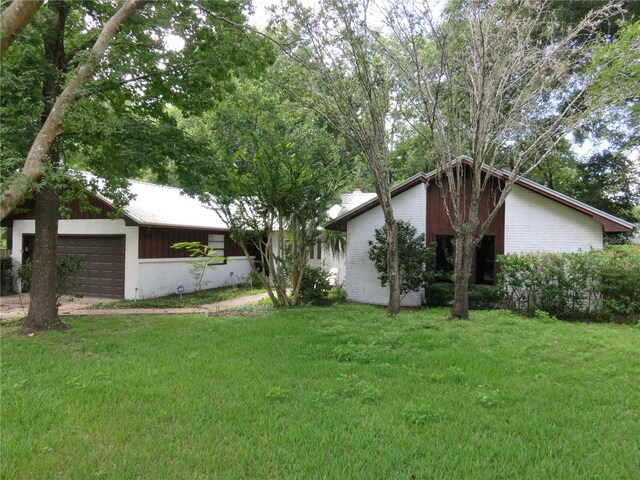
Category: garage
[103,275]
[104,264]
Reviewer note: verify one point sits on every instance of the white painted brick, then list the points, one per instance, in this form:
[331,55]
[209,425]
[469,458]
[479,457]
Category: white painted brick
[534,223]
[362,283]
[161,276]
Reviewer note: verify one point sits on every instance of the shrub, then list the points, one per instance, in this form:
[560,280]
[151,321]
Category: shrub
[24,275]
[315,286]
[339,294]
[416,259]
[601,285]
[439,294]
[6,265]
[619,268]
[481,297]
[484,297]
[67,269]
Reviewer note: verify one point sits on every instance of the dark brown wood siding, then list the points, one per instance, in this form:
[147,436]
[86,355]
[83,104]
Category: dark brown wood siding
[155,242]
[437,223]
[77,210]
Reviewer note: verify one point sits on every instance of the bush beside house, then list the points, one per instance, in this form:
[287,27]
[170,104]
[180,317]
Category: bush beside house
[600,285]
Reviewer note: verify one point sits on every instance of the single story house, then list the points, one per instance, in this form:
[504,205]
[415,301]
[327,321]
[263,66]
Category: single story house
[131,257]
[534,218]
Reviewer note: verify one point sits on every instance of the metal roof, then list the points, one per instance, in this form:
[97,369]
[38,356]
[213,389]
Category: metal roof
[160,205]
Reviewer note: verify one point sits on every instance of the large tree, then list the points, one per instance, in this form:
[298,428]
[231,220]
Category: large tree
[342,76]
[489,86]
[273,175]
[115,109]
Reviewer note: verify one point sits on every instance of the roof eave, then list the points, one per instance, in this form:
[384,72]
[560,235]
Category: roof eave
[607,220]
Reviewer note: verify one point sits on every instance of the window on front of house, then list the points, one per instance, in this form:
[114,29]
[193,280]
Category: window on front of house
[216,242]
[486,261]
[315,251]
[444,256]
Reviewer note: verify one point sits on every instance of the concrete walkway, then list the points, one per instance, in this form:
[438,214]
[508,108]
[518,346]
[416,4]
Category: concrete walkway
[14,307]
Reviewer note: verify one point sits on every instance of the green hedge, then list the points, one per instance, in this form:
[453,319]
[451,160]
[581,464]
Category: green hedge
[481,297]
[598,285]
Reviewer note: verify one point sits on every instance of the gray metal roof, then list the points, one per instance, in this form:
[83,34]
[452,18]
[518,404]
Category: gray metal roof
[161,205]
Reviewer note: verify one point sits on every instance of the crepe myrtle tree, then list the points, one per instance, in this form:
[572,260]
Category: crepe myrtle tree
[337,70]
[490,85]
[274,174]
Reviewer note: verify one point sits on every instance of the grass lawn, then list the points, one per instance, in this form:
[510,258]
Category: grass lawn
[194,299]
[339,392]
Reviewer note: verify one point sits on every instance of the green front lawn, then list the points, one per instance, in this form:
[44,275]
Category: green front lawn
[341,392]
[194,299]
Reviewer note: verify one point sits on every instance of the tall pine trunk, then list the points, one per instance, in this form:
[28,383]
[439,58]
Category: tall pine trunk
[43,310]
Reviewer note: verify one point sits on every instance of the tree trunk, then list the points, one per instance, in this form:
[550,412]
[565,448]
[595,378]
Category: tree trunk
[43,311]
[394,267]
[465,249]
[13,19]
[43,308]
[393,262]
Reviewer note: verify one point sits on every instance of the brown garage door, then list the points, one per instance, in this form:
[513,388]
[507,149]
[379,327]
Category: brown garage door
[104,264]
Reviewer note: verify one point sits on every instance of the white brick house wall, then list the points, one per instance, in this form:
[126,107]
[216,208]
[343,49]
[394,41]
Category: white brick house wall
[534,223]
[362,283]
[161,276]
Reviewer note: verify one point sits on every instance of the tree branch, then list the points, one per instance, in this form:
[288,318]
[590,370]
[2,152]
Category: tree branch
[34,164]
[13,19]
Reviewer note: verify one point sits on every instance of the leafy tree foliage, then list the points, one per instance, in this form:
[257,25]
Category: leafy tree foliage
[274,173]
[610,183]
[615,91]
[120,121]
[417,260]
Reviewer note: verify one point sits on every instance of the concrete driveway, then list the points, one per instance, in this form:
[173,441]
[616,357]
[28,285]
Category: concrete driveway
[17,306]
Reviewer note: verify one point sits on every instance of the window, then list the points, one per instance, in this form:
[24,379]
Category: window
[486,261]
[444,256]
[216,242]
[315,252]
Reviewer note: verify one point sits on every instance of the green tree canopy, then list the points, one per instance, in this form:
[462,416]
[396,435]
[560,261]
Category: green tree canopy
[274,172]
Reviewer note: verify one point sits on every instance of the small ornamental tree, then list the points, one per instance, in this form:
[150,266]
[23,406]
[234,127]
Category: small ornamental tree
[416,259]
[206,258]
